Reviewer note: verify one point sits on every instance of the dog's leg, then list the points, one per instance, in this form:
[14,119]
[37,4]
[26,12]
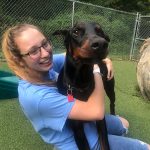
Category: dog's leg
[103,135]
[79,134]
[109,89]
[109,86]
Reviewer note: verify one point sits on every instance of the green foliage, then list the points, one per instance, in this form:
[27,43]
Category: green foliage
[38,9]
[62,21]
[120,30]
[142,6]
[58,15]
[59,22]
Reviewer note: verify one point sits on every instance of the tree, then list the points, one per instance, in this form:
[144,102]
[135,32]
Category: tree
[142,6]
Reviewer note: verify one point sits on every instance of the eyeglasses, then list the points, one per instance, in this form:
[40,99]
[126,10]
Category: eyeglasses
[35,51]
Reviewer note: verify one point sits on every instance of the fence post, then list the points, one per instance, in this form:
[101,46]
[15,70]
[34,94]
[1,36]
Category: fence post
[134,35]
[73,4]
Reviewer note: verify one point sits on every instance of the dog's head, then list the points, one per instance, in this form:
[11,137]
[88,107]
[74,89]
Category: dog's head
[86,42]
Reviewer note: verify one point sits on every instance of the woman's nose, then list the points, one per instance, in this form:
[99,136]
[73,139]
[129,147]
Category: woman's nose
[44,52]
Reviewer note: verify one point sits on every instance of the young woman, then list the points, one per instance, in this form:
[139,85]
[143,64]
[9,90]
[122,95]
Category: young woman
[29,54]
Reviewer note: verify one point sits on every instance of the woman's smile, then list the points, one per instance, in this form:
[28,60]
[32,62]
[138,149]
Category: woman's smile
[46,63]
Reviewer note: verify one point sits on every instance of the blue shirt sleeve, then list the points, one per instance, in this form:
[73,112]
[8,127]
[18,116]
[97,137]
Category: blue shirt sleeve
[58,62]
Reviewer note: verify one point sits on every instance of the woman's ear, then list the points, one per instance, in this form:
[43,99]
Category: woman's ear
[16,59]
[19,61]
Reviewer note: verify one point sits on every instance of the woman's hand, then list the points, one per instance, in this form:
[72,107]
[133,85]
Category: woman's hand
[109,66]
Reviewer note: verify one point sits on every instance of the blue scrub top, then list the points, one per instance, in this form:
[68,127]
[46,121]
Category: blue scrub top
[48,111]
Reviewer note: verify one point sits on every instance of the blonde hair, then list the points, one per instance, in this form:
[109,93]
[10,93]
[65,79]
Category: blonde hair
[10,48]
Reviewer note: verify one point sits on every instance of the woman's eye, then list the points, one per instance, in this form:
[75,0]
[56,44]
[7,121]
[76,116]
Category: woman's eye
[34,51]
[45,44]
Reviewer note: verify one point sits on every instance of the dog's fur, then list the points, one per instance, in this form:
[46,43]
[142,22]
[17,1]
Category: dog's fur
[86,44]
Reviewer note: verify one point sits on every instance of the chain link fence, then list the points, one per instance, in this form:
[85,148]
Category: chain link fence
[51,15]
[142,32]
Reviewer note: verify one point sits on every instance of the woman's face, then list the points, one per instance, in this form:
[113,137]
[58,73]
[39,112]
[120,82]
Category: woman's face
[36,51]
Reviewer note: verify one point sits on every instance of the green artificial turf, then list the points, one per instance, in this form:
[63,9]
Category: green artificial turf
[16,132]
[129,102]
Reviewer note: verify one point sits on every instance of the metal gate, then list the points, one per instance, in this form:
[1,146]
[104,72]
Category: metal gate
[142,32]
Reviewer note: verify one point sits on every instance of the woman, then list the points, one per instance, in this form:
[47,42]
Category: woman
[29,55]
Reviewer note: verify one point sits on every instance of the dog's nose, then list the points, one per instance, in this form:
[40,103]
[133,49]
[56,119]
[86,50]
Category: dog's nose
[95,45]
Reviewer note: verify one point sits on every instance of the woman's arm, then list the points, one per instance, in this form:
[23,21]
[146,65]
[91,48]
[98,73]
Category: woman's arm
[109,66]
[94,108]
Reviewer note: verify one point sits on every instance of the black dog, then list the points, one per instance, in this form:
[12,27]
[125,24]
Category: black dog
[86,44]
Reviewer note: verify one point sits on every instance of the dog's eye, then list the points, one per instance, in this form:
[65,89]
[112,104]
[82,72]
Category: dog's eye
[98,30]
[76,32]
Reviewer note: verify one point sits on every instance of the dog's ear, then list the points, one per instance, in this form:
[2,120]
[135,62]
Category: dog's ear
[107,37]
[60,32]
[66,36]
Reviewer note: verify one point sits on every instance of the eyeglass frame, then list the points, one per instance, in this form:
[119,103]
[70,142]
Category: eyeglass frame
[46,46]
